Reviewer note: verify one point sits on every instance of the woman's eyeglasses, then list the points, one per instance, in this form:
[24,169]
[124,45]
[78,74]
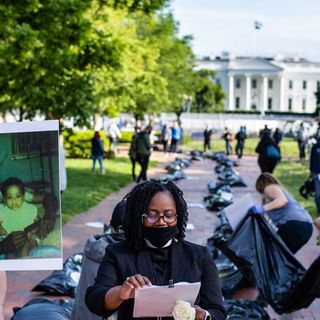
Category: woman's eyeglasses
[154,218]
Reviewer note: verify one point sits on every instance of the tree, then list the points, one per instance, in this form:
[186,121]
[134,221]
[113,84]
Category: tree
[57,60]
[176,59]
[208,95]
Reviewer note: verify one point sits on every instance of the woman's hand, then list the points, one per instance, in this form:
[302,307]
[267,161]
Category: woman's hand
[317,222]
[200,313]
[131,283]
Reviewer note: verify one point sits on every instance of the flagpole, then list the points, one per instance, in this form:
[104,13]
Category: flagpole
[257,26]
[254,40]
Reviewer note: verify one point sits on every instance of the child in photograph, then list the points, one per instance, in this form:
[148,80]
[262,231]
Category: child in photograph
[15,215]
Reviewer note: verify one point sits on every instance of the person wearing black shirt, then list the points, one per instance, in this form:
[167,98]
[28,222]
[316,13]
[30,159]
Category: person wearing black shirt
[315,171]
[154,252]
[207,138]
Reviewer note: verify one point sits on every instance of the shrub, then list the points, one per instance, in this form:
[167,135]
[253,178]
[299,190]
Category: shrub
[78,143]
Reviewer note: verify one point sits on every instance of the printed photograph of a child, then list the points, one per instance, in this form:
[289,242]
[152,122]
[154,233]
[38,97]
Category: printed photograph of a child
[30,220]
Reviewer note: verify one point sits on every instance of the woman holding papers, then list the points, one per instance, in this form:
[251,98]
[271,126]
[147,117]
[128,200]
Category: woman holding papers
[154,253]
[294,223]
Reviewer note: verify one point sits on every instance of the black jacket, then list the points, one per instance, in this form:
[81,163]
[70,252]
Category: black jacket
[189,262]
[315,158]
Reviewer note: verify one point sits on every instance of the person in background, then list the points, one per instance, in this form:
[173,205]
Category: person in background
[302,138]
[97,152]
[175,136]
[94,250]
[241,136]
[277,136]
[228,137]
[113,134]
[154,252]
[264,130]
[294,223]
[315,172]
[3,292]
[165,137]
[133,152]
[143,151]
[207,138]
[267,163]
[62,165]
[317,224]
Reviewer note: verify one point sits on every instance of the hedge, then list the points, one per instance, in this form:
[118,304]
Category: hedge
[78,143]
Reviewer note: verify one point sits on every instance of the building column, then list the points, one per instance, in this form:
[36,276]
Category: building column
[264,105]
[231,92]
[248,92]
[281,98]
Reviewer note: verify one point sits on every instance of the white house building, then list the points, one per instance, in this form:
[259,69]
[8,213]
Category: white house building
[277,84]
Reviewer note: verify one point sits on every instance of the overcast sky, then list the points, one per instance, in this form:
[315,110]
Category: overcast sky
[288,26]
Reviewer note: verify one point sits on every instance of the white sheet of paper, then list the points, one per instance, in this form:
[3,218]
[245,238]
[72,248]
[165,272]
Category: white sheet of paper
[236,211]
[155,301]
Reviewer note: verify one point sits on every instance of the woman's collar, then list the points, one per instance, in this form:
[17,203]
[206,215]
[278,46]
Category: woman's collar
[150,245]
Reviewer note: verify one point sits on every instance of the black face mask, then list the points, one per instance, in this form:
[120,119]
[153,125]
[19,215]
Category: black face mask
[159,236]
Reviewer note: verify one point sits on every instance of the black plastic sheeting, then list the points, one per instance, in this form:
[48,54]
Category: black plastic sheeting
[231,279]
[39,309]
[216,202]
[262,257]
[63,282]
[244,310]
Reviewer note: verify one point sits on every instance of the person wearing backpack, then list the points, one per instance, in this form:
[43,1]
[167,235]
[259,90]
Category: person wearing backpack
[269,153]
[241,136]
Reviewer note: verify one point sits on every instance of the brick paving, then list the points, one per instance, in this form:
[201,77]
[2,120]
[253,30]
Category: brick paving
[76,232]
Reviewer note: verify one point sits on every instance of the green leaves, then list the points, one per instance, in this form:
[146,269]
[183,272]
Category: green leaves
[76,58]
[209,96]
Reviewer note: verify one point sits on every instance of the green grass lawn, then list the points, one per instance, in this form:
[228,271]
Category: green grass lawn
[289,147]
[85,189]
[292,175]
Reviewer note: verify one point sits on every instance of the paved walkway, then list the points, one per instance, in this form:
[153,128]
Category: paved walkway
[76,232]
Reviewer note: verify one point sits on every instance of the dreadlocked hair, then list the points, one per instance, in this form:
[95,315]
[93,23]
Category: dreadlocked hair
[137,203]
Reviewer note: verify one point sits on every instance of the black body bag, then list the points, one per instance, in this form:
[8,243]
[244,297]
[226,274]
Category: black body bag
[63,282]
[39,309]
[263,258]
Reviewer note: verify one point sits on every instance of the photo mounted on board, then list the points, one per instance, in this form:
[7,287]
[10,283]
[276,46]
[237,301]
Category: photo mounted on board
[30,215]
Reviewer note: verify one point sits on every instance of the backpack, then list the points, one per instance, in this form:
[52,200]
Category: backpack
[273,152]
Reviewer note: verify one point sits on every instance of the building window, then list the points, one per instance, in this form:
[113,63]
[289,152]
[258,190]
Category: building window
[270,84]
[269,103]
[218,81]
[237,102]
[290,84]
[238,83]
[253,106]
[254,83]
[290,104]
[304,103]
[304,84]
